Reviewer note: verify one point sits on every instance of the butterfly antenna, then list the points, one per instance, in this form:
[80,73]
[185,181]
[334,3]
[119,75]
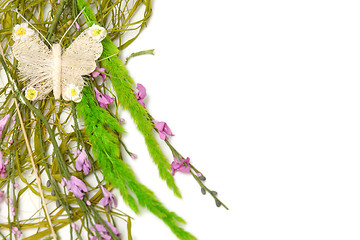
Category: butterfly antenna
[33,27]
[72,24]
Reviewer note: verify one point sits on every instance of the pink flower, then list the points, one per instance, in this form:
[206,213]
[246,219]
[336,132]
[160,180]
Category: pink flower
[105,235]
[108,200]
[16,231]
[164,130]
[82,161]
[180,166]
[74,226]
[103,99]
[2,193]
[77,26]
[12,209]
[3,173]
[140,94]
[63,182]
[76,186]
[3,122]
[99,72]
[133,155]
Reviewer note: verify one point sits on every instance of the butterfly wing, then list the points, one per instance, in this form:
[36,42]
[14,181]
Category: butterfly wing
[79,59]
[34,61]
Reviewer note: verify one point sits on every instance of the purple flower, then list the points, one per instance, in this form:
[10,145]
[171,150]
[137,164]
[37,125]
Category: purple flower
[108,199]
[16,231]
[99,72]
[74,226]
[76,186]
[12,209]
[2,193]
[180,166]
[103,99]
[77,26]
[140,94]
[105,235]
[82,161]
[164,130]
[3,122]
[3,173]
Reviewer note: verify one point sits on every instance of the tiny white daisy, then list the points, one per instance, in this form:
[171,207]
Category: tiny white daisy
[31,94]
[96,32]
[73,93]
[22,32]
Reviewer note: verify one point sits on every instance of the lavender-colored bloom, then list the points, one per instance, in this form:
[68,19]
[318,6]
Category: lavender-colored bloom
[103,99]
[3,122]
[12,209]
[77,26]
[164,130]
[108,200]
[3,173]
[180,166]
[140,94]
[63,182]
[2,193]
[77,187]
[105,235]
[82,161]
[16,231]
[99,72]
[74,226]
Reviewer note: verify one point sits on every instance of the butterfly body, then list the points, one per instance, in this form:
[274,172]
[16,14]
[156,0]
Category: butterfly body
[44,70]
[56,52]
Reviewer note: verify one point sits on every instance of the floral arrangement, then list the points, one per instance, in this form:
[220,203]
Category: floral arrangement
[60,130]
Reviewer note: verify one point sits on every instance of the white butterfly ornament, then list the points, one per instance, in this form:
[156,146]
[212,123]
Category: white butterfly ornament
[45,70]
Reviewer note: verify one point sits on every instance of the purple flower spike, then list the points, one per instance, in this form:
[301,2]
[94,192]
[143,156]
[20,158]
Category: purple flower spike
[164,130]
[77,26]
[82,161]
[99,72]
[105,235]
[103,99]
[108,200]
[3,122]
[140,94]
[3,165]
[180,166]
[16,232]
[2,193]
[77,187]
[74,226]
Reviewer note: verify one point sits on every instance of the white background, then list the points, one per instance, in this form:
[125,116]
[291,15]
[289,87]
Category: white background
[263,96]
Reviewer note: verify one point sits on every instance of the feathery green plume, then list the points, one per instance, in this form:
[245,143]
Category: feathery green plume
[102,130]
[121,81]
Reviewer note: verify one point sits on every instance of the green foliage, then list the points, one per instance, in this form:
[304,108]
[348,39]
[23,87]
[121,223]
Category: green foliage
[106,149]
